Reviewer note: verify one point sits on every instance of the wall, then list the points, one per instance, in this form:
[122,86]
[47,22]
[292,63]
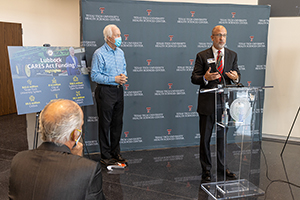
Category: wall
[57,22]
[44,21]
[246,2]
[283,72]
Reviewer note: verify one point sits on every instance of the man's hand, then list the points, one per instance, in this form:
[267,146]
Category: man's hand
[77,150]
[232,75]
[211,76]
[121,79]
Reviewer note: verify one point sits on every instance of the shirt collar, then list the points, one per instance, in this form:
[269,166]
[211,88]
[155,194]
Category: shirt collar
[215,51]
[108,48]
[51,146]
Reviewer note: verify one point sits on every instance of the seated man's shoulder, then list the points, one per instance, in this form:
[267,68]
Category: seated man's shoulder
[83,160]
[49,156]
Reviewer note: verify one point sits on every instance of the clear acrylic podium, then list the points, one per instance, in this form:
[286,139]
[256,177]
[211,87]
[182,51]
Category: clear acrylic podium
[238,128]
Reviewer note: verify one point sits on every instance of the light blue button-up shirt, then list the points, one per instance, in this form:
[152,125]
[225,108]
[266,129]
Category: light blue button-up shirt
[106,64]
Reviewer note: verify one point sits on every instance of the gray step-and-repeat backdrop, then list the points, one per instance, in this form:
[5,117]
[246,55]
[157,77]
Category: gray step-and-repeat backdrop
[160,42]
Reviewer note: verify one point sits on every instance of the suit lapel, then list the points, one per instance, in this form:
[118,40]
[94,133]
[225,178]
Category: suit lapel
[211,55]
[226,59]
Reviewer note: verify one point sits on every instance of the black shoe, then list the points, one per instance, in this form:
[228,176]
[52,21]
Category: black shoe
[230,175]
[108,162]
[206,177]
[119,158]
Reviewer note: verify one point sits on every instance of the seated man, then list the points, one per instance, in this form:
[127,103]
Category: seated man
[56,169]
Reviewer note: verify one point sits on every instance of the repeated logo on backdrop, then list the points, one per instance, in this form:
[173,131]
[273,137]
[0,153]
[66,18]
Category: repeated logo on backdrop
[168,136]
[148,115]
[188,113]
[149,18]
[127,139]
[148,67]
[130,43]
[169,91]
[251,43]
[187,68]
[233,18]
[160,42]
[171,43]
[192,19]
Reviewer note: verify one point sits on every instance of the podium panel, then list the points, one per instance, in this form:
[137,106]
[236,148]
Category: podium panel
[233,144]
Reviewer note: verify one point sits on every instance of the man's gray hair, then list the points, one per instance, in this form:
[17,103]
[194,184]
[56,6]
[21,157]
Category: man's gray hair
[107,31]
[59,126]
[71,48]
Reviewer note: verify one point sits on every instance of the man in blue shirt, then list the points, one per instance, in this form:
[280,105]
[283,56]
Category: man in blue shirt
[109,72]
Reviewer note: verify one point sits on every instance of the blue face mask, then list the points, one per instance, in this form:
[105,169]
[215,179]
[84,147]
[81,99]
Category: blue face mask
[118,41]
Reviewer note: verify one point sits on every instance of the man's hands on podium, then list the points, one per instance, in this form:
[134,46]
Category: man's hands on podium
[121,79]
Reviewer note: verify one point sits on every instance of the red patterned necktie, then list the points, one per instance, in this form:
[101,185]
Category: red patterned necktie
[220,68]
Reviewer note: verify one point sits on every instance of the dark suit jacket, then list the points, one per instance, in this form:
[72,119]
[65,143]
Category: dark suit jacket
[206,101]
[52,172]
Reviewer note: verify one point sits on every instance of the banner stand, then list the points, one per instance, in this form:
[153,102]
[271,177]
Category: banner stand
[290,131]
[36,130]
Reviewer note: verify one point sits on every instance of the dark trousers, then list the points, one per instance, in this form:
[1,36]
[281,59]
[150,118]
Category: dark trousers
[110,107]
[206,124]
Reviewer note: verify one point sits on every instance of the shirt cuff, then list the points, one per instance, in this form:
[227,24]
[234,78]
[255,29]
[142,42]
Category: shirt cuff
[237,80]
[205,81]
[111,79]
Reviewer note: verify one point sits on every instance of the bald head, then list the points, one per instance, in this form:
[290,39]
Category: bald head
[59,119]
[218,36]
[218,28]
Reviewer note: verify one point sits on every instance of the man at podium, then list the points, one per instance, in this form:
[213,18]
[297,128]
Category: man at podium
[214,66]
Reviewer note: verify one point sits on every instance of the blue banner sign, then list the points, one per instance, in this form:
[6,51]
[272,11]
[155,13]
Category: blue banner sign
[41,74]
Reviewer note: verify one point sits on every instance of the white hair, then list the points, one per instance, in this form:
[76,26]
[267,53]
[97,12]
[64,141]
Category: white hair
[58,128]
[107,31]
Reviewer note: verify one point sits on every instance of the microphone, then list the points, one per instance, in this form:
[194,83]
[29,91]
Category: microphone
[217,66]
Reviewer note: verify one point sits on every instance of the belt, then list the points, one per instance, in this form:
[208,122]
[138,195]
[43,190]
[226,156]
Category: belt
[113,86]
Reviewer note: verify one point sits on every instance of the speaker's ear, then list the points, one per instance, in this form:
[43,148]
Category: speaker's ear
[73,135]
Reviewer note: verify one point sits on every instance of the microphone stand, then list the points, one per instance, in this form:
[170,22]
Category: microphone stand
[223,78]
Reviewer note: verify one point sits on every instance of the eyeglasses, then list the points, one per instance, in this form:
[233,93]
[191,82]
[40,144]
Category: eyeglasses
[220,35]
